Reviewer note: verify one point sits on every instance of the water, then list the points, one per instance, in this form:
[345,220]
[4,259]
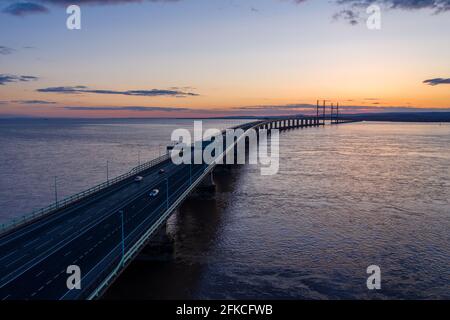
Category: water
[346,197]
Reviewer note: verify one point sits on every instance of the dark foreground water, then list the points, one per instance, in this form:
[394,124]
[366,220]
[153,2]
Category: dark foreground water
[345,198]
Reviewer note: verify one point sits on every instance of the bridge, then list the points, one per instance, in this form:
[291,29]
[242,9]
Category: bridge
[103,229]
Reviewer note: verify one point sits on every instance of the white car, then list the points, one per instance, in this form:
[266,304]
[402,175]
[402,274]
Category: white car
[138,179]
[154,193]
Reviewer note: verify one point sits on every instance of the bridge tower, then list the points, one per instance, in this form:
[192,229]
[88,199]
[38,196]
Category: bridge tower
[337,113]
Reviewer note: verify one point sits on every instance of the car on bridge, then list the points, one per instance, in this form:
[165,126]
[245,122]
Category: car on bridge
[138,179]
[161,171]
[154,193]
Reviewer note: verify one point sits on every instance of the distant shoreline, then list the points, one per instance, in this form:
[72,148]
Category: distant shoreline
[426,117]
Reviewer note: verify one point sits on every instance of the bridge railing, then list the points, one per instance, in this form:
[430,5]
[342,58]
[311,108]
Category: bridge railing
[79,196]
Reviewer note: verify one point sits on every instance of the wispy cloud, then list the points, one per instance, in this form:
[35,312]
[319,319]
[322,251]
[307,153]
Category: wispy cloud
[127,108]
[33,102]
[435,5]
[6,50]
[351,16]
[139,93]
[24,8]
[7,78]
[99,2]
[40,6]
[437,81]
[352,9]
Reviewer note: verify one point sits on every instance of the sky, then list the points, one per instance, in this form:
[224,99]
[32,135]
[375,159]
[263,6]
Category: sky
[188,58]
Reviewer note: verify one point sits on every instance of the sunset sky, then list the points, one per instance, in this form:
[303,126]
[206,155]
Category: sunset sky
[221,57]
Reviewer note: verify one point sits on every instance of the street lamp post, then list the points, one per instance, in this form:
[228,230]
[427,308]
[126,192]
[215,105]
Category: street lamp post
[56,193]
[123,237]
[167,193]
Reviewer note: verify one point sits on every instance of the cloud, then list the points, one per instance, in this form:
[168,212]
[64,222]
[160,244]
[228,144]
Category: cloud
[7,78]
[39,6]
[98,2]
[353,8]
[278,107]
[6,50]
[33,102]
[348,15]
[24,8]
[437,81]
[139,93]
[126,108]
[435,5]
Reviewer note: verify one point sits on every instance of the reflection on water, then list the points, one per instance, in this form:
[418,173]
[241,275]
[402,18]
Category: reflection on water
[346,197]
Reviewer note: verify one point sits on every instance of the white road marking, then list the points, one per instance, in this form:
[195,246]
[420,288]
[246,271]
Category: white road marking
[14,261]
[30,242]
[9,254]
[43,244]
[41,272]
